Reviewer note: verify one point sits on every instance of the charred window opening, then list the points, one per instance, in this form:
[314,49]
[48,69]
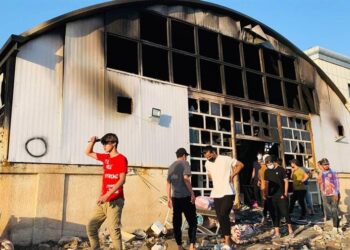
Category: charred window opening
[215,108]
[288,67]
[216,139]
[340,130]
[196,151]
[255,87]
[208,43]
[246,115]
[196,121]
[308,99]
[224,125]
[230,50]
[210,76]
[192,105]
[184,68]
[227,140]
[256,116]
[265,118]
[124,105]
[292,95]
[234,83]
[247,129]
[153,28]
[204,106]
[271,62]
[251,57]
[225,110]
[275,91]
[205,137]
[182,36]
[155,62]
[237,114]
[122,54]
[210,123]
[195,166]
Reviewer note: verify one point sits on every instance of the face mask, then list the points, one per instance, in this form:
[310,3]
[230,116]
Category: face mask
[259,156]
[270,166]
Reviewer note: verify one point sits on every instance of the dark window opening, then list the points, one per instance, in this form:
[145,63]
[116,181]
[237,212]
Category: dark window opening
[2,97]
[122,54]
[287,147]
[230,50]
[294,146]
[247,129]
[271,62]
[196,151]
[210,123]
[204,106]
[288,67]
[256,116]
[265,118]
[238,128]
[234,83]
[224,125]
[246,115]
[192,105]
[184,68]
[349,89]
[225,110]
[195,166]
[256,131]
[340,130]
[225,151]
[275,91]
[284,121]
[182,36]
[124,105]
[292,122]
[196,121]
[273,120]
[155,62]
[194,136]
[251,56]
[205,137]
[287,133]
[216,139]
[288,158]
[215,108]
[266,132]
[255,87]
[227,140]
[208,43]
[210,76]
[237,114]
[308,99]
[297,135]
[153,28]
[292,95]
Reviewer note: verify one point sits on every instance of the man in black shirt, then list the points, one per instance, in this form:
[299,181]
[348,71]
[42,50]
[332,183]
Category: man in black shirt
[276,181]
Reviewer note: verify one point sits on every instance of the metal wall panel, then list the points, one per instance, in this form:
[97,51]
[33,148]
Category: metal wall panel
[83,87]
[37,99]
[123,22]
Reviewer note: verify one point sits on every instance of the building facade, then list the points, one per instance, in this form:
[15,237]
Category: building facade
[162,75]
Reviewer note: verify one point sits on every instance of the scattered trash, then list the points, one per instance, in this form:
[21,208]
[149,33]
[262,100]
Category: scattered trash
[6,245]
[158,228]
[204,202]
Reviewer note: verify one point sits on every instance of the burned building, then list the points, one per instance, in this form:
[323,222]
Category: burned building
[162,75]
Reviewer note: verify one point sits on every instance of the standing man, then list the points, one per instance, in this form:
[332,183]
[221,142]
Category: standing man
[255,180]
[110,204]
[181,198]
[276,181]
[222,170]
[330,192]
[299,178]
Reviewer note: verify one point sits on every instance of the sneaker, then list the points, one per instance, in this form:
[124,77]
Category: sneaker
[276,237]
[226,247]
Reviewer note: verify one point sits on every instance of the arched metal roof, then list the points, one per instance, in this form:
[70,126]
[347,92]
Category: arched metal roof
[14,40]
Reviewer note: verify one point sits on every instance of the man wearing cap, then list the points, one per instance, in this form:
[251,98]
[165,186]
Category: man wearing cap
[111,201]
[330,192]
[181,198]
[222,171]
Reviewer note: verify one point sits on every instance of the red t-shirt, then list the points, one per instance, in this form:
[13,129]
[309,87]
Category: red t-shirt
[112,168]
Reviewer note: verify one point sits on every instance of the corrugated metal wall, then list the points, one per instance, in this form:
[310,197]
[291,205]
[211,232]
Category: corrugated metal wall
[37,98]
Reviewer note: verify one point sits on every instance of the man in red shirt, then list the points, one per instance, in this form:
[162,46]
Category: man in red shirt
[111,201]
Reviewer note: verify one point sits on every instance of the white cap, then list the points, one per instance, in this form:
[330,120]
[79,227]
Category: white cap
[264,157]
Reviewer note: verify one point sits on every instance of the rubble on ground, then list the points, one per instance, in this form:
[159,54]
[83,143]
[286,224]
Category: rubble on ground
[247,233]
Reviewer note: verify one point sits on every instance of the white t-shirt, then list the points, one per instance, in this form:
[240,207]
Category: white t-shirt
[220,172]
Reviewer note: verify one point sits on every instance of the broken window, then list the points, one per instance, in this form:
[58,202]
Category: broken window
[122,54]
[192,105]
[194,136]
[234,83]
[256,116]
[292,95]
[230,50]
[247,130]
[288,67]
[265,118]
[155,62]
[225,109]
[210,76]
[153,28]
[215,108]
[238,128]
[210,123]
[204,106]
[224,125]
[255,87]
[205,137]
[196,151]
[227,140]
[308,99]
[216,139]
[208,43]
[275,91]
[184,68]
[271,62]
[251,56]
[287,147]
[182,36]
[237,114]
[195,166]
[246,115]
[296,134]
[196,121]
[273,120]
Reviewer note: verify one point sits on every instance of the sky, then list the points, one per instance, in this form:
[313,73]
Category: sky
[306,23]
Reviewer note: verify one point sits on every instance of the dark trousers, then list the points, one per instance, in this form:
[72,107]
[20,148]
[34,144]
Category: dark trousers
[223,208]
[298,195]
[184,205]
[279,208]
[257,193]
[331,209]
[267,207]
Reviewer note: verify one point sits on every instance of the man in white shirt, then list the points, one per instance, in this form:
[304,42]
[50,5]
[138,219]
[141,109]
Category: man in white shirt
[221,170]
